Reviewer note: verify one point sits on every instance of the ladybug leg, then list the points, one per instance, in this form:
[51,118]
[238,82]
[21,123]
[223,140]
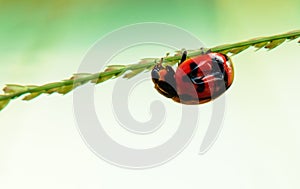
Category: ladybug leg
[205,51]
[183,58]
[164,80]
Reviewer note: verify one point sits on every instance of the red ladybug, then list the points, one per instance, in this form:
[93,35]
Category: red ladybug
[197,80]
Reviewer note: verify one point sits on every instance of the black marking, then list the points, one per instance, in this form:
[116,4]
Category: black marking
[192,76]
[183,58]
[163,92]
[194,70]
[219,71]
[193,66]
[198,80]
[200,83]
[216,61]
[167,89]
[200,88]
[226,57]
[226,79]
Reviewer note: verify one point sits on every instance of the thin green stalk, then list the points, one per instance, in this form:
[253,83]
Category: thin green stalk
[12,91]
[261,40]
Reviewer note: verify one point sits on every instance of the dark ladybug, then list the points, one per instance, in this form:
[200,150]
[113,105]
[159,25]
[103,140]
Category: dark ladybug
[197,80]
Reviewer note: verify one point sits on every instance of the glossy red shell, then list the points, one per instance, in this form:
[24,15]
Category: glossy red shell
[209,69]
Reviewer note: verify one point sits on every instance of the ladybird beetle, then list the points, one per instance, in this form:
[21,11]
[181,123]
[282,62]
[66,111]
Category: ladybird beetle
[197,80]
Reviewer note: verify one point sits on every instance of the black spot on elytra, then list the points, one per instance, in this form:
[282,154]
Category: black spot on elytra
[199,83]
[217,65]
[193,65]
[198,80]
[192,74]
[194,70]
[218,70]
[226,79]
[200,88]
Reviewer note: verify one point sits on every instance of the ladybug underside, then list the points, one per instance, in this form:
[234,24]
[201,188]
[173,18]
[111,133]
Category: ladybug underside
[196,81]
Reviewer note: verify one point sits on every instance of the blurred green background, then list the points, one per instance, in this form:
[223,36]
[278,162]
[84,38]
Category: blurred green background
[45,41]
[31,28]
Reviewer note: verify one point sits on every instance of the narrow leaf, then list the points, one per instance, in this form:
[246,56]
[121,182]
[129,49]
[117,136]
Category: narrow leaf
[80,75]
[118,74]
[224,51]
[260,45]
[53,90]
[239,49]
[293,37]
[12,88]
[274,43]
[31,96]
[101,79]
[114,67]
[133,73]
[65,89]
[61,90]
[147,60]
[3,103]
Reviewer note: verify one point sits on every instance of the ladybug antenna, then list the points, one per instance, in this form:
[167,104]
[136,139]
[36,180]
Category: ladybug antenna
[161,60]
[183,58]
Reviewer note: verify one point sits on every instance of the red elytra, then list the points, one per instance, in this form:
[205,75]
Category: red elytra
[197,80]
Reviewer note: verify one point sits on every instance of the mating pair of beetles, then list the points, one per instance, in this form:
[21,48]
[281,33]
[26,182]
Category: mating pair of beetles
[197,80]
